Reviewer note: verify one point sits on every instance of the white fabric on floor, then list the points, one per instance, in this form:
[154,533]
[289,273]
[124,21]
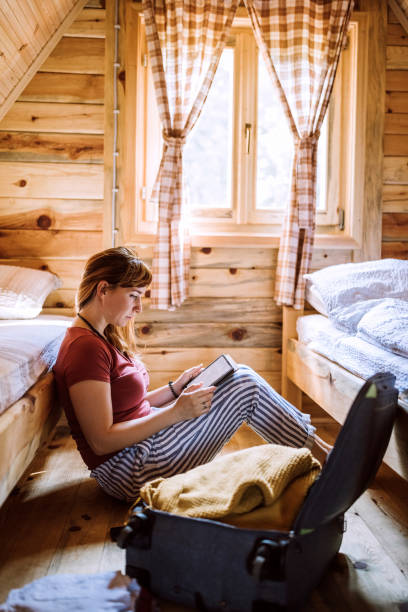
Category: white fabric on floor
[106,592]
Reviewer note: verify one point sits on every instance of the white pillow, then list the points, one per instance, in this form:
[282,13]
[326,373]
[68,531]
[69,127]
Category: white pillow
[23,291]
[344,284]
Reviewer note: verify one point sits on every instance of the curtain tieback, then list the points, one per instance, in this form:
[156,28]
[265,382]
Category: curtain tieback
[308,140]
[174,139]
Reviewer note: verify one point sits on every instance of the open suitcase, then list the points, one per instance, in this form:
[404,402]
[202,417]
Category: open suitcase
[214,566]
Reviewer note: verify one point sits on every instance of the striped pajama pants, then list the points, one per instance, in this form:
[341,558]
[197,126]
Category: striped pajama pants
[242,397]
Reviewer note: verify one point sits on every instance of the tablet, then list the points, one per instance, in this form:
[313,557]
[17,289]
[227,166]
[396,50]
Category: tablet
[216,372]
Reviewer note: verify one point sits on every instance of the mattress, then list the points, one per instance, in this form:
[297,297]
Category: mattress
[351,352]
[28,349]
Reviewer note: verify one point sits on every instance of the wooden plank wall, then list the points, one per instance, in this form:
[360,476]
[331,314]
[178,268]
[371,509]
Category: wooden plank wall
[230,309]
[395,193]
[51,159]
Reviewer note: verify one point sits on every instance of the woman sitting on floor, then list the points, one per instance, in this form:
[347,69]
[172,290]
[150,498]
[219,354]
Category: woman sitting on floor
[128,435]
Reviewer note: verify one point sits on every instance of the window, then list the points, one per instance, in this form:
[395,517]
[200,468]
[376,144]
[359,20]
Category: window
[243,142]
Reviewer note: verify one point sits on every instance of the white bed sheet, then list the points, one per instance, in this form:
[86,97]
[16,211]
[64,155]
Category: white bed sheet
[349,351]
[28,348]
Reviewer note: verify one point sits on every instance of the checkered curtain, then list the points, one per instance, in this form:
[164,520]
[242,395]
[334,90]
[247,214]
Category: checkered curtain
[185,39]
[400,8]
[300,41]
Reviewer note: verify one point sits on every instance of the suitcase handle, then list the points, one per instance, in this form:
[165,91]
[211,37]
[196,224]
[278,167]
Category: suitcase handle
[136,525]
[267,560]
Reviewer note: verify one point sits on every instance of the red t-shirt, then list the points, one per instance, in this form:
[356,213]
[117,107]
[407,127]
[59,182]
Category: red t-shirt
[85,356]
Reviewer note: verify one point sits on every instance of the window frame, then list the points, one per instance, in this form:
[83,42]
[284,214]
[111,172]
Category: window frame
[143,142]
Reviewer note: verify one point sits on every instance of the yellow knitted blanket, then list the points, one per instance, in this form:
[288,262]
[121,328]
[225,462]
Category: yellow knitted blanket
[262,487]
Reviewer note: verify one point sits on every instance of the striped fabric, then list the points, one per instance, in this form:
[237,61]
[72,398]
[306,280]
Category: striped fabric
[28,348]
[300,41]
[185,40]
[243,397]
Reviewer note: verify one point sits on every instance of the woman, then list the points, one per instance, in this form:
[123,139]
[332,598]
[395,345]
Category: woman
[128,435]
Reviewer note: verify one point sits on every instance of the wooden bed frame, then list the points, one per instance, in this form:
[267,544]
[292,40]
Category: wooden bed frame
[333,388]
[24,427]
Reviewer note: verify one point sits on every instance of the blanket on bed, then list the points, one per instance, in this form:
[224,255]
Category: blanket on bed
[367,299]
[262,487]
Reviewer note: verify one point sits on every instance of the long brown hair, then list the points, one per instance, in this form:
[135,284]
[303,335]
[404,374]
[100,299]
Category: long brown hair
[119,267]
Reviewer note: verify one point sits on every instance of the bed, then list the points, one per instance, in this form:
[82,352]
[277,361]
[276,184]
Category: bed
[29,343]
[357,325]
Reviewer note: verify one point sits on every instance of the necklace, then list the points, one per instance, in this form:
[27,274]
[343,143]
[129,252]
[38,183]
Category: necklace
[100,335]
[92,327]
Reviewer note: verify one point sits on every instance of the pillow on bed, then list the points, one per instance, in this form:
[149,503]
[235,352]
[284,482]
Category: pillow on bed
[344,284]
[23,291]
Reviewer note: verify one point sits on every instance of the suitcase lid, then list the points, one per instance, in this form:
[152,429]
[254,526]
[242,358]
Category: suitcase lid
[356,454]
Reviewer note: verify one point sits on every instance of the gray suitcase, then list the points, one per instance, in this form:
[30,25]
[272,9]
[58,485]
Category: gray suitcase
[214,566]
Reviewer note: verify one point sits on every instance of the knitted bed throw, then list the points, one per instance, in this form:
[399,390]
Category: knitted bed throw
[262,487]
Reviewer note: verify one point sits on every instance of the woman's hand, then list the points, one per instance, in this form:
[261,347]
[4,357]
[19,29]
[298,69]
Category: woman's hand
[193,402]
[185,377]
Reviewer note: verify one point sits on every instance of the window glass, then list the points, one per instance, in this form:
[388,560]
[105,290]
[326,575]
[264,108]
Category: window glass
[274,146]
[275,150]
[208,151]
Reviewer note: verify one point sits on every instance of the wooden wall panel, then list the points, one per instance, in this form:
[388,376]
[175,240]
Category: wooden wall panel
[77,55]
[68,269]
[50,117]
[51,161]
[89,24]
[58,87]
[47,180]
[163,335]
[48,243]
[395,177]
[46,147]
[395,198]
[31,213]
[396,144]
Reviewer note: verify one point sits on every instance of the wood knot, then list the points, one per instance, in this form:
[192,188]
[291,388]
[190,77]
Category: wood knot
[44,267]
[122,76]
[145,329]
[33,118]
[238,334]
[60,305]
[206,250]
[86,517]
[22,183]
[147,293]
[194,278]
[44,221]
[75,528]
[233,270]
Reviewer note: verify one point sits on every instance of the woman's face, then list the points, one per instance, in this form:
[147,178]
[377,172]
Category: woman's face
[122,304]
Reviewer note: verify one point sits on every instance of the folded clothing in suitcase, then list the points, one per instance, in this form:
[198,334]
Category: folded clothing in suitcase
[210,565]
[262,487]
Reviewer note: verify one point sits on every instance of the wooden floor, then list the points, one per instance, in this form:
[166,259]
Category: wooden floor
[58,521]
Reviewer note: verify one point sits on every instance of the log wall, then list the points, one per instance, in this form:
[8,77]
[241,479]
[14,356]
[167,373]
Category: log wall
[52,211]
[51,160]
[395,190]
